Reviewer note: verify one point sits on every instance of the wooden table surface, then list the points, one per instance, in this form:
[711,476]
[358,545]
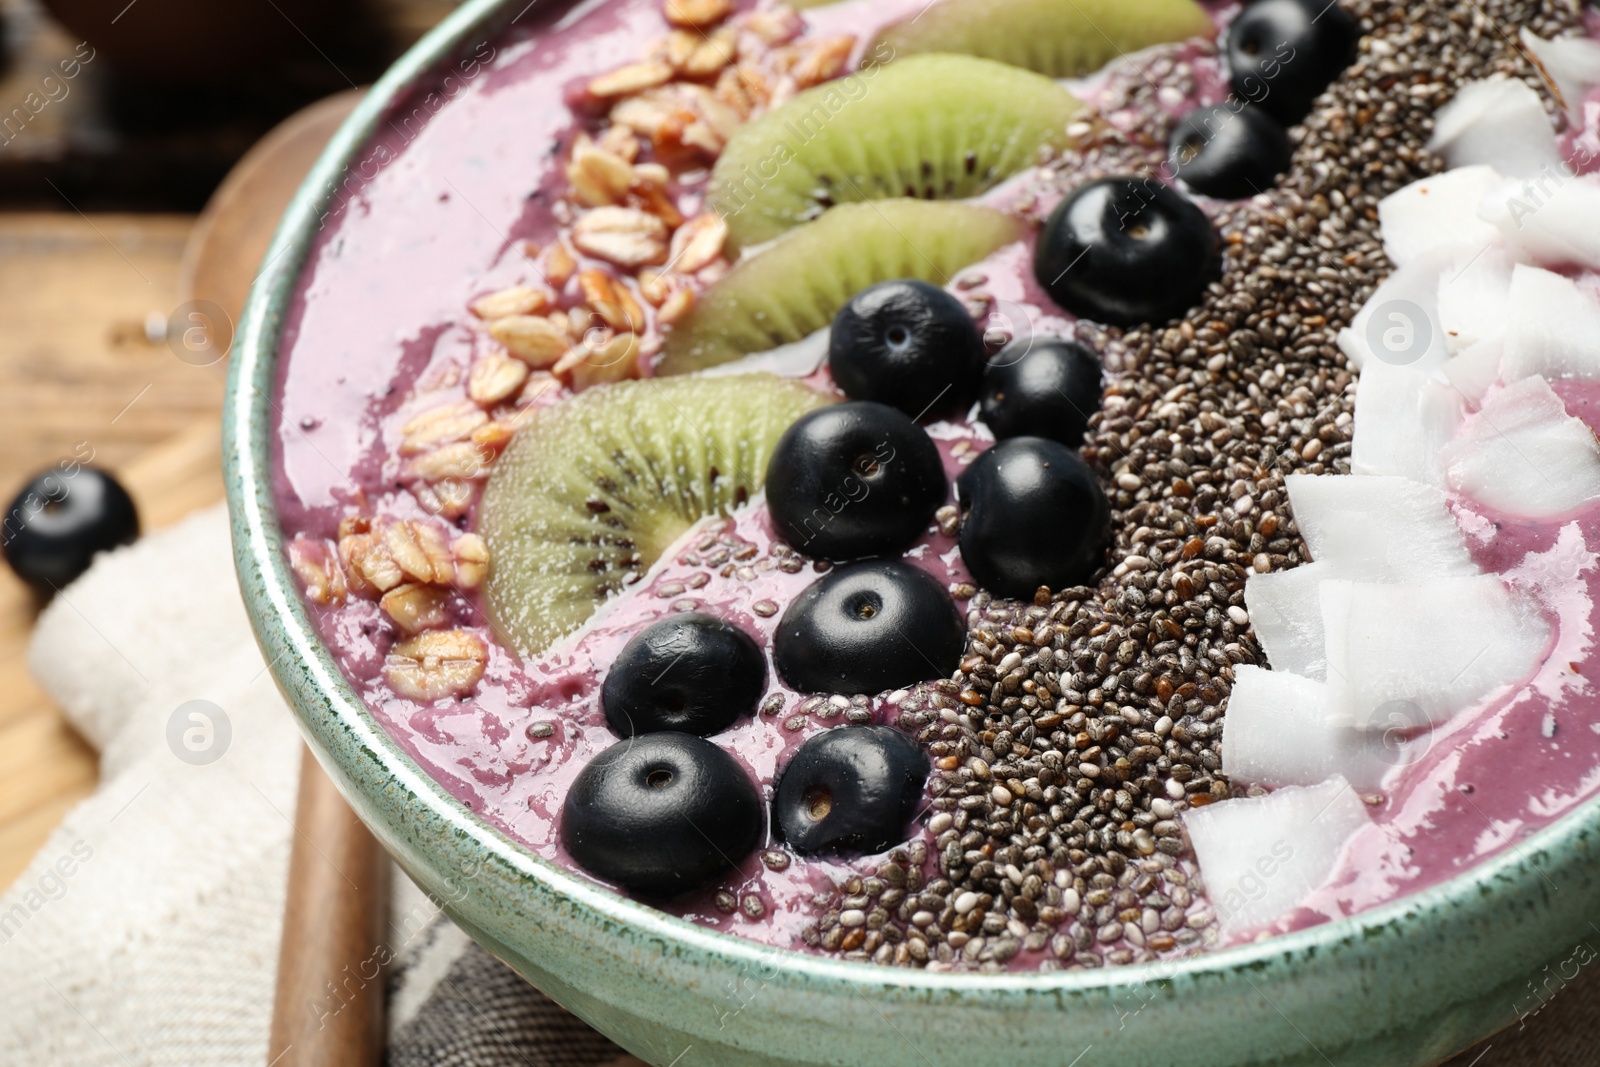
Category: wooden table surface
[78,366]
[82,363]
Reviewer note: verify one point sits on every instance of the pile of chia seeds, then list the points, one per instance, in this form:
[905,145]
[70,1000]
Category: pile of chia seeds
[1082,724]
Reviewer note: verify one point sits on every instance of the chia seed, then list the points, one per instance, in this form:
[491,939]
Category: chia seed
[1084,721]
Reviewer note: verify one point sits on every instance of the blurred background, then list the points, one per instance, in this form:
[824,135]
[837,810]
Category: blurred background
[120,122]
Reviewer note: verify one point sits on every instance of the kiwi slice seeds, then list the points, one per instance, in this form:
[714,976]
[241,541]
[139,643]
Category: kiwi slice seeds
[929,127]
[591,491]
[1061,40]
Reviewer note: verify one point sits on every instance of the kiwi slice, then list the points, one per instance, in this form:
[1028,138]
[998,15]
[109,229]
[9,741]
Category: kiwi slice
[591,492]
[794,288]
[931,127]
[1061,40]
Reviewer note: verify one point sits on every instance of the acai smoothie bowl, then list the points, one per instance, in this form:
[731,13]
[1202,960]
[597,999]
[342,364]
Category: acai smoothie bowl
[983,531]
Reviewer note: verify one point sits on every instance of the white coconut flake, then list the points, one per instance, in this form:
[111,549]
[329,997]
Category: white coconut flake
[1399,325]
[1426,651]
[1553,328]
[1383,529]
[1524,455]
[1499,123]
[1475,371]
[1281,730]
[1438,212]
[1287,616]
[1573,63]
[1403,417]
[1261,856]
[1552,217]
[1475,296]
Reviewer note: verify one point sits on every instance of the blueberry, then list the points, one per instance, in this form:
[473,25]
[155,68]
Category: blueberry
[866,628]
[661,814]
[60,521]
[690,673]
[1032,514]
[1229,151]
[851,789]
[1126,251]
[907,344]
[854,480]
[1041,388]
[1282,54]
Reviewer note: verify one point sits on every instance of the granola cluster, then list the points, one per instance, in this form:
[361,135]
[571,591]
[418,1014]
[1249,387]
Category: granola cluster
[412,569]
[627,261]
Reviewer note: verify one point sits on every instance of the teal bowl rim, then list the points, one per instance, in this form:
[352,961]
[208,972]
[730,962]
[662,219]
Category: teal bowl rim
[306,672]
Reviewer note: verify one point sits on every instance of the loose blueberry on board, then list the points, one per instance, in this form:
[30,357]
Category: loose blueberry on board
[60,522]
[850,789]
[1229,151]
[1126,251]
[907,344]
[866,628]
[854,480]
[1282,54]
[1032,514]
[661,814]
[1041,388]
[690,673]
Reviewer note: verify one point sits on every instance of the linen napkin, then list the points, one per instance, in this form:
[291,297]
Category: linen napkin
[146,930]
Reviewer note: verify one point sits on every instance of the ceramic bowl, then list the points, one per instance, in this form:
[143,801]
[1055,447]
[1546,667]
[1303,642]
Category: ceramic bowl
[1405,984]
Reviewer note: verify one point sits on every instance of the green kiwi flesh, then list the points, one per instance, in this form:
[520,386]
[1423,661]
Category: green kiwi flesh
[788,291]
[591,491]
[1055,38]
[934,127]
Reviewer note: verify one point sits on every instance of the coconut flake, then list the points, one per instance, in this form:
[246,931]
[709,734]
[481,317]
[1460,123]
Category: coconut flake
[1499,123]
[1426,651]
[1287,617]
[1439,212]
[1475,371]
[1261,856]
[1281,730]
[1399,325]
[1403,417]
[1553,328]
[1573,63]
[1475,296]
[1383,529]
[1524,455]
[1551,217]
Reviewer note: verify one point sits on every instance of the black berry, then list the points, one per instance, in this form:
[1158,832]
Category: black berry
[661,814]
[907,344]
[61,521]
[1126,251]
[851,789]
[691,673]
[1032,514]
[854,480]
[867,628]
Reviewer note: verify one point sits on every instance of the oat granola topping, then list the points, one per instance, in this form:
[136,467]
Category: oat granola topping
[436,664]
